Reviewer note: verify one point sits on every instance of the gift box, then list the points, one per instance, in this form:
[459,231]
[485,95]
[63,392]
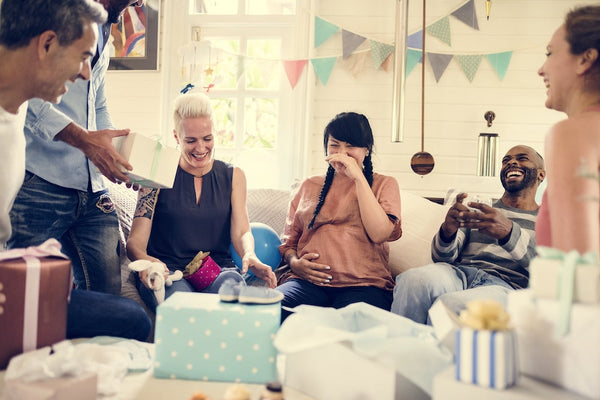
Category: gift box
[359,352]
[199,337]
[545,279]
[36,282]
[486,358]
[154,165]
[572,360]
[79,387]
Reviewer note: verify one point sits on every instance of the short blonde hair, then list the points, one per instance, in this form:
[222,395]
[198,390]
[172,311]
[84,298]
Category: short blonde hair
[191,105]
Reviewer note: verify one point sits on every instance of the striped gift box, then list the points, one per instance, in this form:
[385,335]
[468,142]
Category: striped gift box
[486,358]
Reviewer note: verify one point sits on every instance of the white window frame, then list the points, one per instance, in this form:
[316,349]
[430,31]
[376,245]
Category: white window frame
[288,161]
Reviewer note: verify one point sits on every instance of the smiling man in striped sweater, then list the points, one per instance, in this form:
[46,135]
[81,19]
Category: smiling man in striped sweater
[480,251]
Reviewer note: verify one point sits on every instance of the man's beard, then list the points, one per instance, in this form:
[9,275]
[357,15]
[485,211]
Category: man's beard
[529,179]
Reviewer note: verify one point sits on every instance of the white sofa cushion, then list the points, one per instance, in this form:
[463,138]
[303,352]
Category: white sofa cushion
[421,219]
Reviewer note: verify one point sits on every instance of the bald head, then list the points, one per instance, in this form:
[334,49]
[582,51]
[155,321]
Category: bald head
[522,169]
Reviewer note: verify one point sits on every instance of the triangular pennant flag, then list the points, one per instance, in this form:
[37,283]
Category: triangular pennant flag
[379,52]
[439,63]
[386,65]
[323,30]
[467,14]
[356,63]
[293,70]
[469,64]
[323,68]
[413,57]
[350,41]
[500,62]
[441,30]
[415,41]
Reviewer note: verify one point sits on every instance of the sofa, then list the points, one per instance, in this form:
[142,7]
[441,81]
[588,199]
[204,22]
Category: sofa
[420,220]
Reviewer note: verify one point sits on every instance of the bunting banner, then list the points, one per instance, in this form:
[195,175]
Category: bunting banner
[323,68]
[500,62]
[293,70]
[439,63]
[323,31]
[467,14]
[469,64]
[380,52]
[350,42]
[354,56]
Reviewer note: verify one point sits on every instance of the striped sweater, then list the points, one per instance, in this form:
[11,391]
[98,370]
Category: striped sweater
[473,249]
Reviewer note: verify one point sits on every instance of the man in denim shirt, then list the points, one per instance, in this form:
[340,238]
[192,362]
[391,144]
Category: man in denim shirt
[69,147]
[39,53]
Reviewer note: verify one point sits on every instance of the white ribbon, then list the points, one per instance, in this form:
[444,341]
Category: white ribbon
[31,255]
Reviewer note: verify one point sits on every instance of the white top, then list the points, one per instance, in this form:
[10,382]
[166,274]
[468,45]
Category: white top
[12,165]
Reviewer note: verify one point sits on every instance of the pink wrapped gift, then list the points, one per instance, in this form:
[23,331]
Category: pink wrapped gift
[206,274]
[36,282]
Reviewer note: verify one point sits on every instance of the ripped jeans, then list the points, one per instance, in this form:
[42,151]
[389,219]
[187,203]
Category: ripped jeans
[85,223]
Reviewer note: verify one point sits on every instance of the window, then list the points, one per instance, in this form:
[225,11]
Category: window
[236,55]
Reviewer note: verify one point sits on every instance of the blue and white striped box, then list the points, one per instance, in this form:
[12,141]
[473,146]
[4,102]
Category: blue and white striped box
[486,358]
[199,337]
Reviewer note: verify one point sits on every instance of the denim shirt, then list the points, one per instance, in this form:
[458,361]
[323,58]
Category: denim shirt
[54,160]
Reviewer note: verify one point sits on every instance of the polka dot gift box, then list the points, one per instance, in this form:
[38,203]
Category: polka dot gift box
[199,337]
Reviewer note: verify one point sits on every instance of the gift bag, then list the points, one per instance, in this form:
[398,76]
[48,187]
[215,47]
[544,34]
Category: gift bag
[201,271]
[359,352]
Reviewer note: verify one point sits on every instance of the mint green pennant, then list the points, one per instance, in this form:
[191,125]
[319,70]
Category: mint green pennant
[323,68]
[500,62]
[413,57]
[323,30]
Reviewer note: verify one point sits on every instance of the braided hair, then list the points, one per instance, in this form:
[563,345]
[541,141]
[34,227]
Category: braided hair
[353,128]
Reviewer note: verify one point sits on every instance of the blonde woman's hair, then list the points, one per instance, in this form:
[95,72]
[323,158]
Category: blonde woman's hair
[191,105]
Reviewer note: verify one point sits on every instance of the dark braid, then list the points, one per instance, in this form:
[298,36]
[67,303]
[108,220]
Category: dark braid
[368,169]
[323,194]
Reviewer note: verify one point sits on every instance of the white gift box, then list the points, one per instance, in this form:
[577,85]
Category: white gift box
[544,279]
[486,358]
[154,165]
[571,361]
[445,324]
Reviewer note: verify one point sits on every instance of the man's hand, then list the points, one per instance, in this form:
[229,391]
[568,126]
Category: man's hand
[310,271]
[100,150]
[488,221]
[454,217]
[98,147]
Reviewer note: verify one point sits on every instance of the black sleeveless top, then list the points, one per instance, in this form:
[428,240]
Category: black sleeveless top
[181,227]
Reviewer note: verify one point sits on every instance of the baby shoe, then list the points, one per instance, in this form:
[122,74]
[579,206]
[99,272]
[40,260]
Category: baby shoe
[230,290]
[259,295]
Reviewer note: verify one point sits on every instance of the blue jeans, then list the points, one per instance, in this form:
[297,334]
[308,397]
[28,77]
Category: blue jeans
[85,223]
[183,285]
[418,288]
[298,291]
[100,314]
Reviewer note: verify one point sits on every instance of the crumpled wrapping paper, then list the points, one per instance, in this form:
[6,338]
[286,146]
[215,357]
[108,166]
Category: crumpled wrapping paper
[109,358]
[395,342]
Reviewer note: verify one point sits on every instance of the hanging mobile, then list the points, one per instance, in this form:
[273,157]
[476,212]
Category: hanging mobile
[422,162]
